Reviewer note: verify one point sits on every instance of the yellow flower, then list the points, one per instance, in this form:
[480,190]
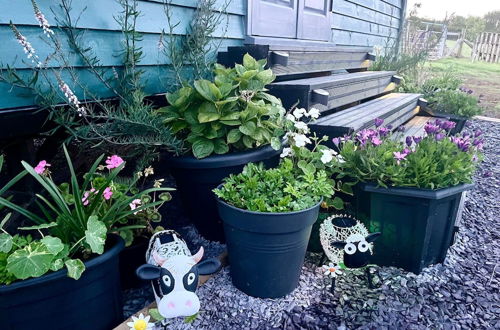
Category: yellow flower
[140,323]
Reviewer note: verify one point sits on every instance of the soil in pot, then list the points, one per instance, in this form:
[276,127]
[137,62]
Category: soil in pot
[266,250]
[58,302]
[196,178]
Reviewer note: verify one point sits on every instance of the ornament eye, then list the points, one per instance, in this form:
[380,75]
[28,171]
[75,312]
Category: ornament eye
[166,280]
[363,246]
[191,278]
[350,248]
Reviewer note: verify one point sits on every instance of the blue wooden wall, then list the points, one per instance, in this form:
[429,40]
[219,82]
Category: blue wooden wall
[366,22]
[104,36]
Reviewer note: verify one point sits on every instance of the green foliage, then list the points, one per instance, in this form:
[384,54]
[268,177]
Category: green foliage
[281,189]
[77,216]
[435,162]
[455,102]
[233,112]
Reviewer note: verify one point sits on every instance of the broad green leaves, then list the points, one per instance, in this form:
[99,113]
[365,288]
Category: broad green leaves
[95,235]
[203,147]
[54,244]
[75,268]
[32,261]
[5,242]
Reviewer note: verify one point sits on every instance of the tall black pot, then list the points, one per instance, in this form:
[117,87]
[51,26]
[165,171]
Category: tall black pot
[58,302]
[417,225]
[196,178]
[131,258]
[266,250]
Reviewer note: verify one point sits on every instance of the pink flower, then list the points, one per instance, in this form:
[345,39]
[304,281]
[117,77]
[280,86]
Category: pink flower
[399,156]
[41,167]
[135,204]
[85,199]
[107,193]
[113,162]
[376,141]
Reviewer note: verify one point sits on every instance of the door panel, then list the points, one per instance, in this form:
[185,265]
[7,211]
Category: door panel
[313,21]
[274,18]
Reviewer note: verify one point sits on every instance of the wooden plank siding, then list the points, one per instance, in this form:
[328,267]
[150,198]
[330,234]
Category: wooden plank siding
[366,22]
[103,35]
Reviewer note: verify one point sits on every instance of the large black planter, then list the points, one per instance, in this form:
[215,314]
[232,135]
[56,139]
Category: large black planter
[266,250]
[417,225]
[56,301]
[196,178]
[131,258]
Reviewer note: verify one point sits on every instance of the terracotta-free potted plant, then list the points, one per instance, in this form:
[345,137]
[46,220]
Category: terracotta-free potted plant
[225,124]
[410,190]
[65,272]
[268,214]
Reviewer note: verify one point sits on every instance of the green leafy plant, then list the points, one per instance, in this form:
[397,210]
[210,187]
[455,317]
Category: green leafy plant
[75,220]
[455,102]
[434,161]
[233,112]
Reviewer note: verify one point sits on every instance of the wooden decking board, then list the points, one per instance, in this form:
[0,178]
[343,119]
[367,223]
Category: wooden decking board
[336,79]
[415,127]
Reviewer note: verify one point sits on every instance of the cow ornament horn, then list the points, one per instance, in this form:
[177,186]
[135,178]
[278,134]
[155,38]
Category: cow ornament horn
[174,273]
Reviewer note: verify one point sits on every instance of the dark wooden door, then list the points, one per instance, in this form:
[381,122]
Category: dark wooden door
[274,18]
[294,19]
[313,20]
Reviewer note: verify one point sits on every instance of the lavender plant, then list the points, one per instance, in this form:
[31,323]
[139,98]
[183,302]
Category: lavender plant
[436,160]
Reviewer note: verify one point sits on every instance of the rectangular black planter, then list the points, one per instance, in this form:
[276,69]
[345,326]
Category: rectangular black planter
[417,225]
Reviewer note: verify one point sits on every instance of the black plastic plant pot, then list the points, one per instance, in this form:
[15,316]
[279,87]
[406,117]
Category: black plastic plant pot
[58,302]
[417,225]
[266,250]
[131,258]
[196,178]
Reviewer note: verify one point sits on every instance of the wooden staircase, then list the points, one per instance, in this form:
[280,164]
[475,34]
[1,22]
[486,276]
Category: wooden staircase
[335,80]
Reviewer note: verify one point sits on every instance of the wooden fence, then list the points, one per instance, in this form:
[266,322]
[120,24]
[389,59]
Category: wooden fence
[487,48]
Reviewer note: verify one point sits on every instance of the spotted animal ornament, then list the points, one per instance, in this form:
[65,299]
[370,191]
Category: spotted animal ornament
[174,273]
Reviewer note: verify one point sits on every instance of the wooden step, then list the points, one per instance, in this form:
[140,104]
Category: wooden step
[395,109]
[288,62]
[330,92]
[414,127]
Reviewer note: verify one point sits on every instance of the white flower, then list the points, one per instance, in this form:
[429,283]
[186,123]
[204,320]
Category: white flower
[148,171]
[158,183]
[331,270]
[340,159]
[290,117]
[301,140]
[286,152]
[299,112]
[140,323]
[135,204]
[301,126]
[327,156]
[313,113]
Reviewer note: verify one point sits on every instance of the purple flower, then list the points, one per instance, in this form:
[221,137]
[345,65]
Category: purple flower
[417,139]
[409,141]
[399,156]
[478,133]
[376,141]
[431,129]
[478,143]
[462,143]
[336,141]
[440,136]
[378,122]
[447,125]
[383,131]
[401,128]
[407,151]
[438,122]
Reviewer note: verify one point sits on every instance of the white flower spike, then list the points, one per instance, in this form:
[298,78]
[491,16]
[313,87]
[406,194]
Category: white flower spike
[140,323]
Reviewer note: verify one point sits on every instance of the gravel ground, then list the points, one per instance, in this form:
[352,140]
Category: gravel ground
[461,293]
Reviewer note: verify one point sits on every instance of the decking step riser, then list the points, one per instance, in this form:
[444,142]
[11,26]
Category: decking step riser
[405,112]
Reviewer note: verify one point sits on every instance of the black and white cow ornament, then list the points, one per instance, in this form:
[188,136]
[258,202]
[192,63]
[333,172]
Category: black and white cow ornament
[174,273]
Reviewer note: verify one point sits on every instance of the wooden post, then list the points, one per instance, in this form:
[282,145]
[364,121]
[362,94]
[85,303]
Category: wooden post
[497,52]
[474,49]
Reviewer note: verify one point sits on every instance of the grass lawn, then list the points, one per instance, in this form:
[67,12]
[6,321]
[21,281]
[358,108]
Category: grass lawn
[483,78]
[466,50]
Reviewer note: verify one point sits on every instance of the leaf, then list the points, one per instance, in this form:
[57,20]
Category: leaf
[5,242]
[233,136]
[248,128]
[202,148]
[207,90]
[95,235]
[275,143]
[338,203]
[207,112]
[128,236]
[249,62]
[56,265]
[42,226]
[53,244]
[34,260]
[248,142]
[155,314]
[266,76]
[220,147]
[5,219]
[190,319]
[75,268]
[180,97]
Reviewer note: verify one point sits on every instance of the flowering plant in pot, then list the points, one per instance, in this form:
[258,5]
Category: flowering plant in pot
[71,240]
[224,124]
[268,213]
[410,188]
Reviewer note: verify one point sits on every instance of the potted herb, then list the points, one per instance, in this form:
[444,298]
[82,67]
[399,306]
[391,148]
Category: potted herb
[268,214]
[224,124]
[410,190]
[69,270]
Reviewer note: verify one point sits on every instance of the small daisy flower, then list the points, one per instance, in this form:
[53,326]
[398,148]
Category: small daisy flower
[140,323]
[331,270]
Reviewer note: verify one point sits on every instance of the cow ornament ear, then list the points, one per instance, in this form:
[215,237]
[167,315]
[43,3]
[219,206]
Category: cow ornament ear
[148,272]
[372,237]
[209,266]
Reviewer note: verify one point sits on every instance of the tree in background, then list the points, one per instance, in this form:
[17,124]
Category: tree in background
[492,20]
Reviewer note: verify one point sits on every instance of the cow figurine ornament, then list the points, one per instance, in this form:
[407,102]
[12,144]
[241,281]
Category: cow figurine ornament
[346,241]
[174,273]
